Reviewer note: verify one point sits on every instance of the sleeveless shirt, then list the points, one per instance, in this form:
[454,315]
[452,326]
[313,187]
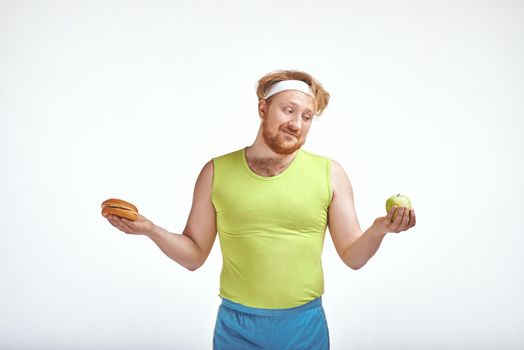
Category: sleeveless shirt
[271,229]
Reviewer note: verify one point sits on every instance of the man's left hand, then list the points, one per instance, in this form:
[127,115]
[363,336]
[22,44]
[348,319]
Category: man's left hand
[404,220]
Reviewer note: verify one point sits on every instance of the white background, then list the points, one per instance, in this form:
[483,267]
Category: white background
[129,99]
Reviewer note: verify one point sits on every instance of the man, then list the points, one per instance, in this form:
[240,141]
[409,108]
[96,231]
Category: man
[271,203]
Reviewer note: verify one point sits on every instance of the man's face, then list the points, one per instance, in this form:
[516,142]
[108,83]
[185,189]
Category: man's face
[286,120]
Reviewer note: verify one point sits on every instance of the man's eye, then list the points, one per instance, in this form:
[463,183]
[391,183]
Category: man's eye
[289,110]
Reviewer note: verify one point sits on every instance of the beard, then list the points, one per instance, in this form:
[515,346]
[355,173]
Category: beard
[279,141]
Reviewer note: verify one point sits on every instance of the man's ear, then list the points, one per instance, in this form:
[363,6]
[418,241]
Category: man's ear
[262,108]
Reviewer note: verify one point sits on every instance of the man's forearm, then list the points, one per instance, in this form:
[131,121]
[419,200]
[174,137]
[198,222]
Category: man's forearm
[178,247]
[360,250]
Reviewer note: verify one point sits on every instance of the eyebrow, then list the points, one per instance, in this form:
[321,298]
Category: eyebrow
[296,104]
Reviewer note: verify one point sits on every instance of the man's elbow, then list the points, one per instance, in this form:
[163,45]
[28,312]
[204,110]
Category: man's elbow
[351,262]
[355,266]
[195,266]
[197,261]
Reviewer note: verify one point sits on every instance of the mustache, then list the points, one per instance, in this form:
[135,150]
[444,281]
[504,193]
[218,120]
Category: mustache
[296,134]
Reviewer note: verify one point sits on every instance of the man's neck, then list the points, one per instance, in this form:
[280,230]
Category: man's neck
[263,161]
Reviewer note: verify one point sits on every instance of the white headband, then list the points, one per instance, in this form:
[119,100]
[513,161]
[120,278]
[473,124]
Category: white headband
[288,85]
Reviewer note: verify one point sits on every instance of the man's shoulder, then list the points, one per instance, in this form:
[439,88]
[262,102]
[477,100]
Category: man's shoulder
[335,167]
[227,160]
[314,155]
[231,154]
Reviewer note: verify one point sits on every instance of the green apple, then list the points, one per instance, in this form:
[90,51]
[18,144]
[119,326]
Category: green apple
[398,200]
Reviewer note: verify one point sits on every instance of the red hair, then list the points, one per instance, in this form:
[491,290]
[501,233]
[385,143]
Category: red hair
[320,95]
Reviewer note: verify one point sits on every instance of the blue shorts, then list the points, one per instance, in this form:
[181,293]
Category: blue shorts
[241,327]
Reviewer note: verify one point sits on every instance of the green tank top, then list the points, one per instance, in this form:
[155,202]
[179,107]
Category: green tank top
[271,230]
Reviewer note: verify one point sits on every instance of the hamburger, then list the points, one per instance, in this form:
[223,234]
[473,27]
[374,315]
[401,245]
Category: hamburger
[119,207]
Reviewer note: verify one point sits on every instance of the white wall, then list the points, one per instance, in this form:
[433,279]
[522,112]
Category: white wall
[126,99]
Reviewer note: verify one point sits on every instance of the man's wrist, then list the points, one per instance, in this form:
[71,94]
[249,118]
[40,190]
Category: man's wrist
[378,231]
[153,232]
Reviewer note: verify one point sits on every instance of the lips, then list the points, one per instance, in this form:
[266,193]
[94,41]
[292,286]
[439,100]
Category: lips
[290,133]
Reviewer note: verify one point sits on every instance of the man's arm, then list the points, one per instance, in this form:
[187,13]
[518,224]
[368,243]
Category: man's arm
[354,247]
[191,248]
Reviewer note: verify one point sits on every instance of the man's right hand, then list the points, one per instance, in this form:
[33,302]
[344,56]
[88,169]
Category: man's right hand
[142,226]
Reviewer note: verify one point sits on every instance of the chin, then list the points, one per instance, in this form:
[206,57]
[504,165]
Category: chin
[289,149]
[282,145]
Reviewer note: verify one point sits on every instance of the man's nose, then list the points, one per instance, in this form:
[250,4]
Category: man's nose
[293,127]
[294,124]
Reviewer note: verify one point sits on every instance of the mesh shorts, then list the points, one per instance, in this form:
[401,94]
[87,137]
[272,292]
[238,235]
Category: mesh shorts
[240,327]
